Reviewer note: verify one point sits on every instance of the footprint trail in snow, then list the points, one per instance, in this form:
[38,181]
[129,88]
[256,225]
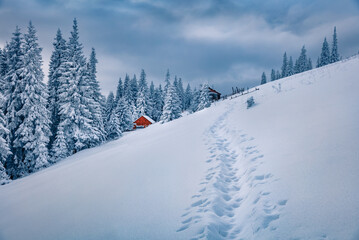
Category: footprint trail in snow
[216,211]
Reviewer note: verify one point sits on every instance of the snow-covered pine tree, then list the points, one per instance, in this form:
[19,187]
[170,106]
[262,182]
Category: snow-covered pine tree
[151,99]
[334,54]
[278,76]
[113,128]
[325,54]
[133,97]
[119,91]
[124,115]
[3,69]
[127,94]
[195,100]
[290,67]
[75,124]
[272,75]
[32,135]
[57,60]
[188,97]
[14,87]
[158,104]
[167,83]
[264,78]
[4,146]
[181,93]
[302,61]
[172,107]
[285,66]
[204,98]
[142,96]
[95,100]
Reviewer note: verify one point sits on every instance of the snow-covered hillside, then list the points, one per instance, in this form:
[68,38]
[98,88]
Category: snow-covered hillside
[287,168]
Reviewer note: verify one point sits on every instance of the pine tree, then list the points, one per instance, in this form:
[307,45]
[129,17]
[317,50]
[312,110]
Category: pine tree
[204,98]
[4,146]
[290,67]
[325,55]
[264,78]
[75,116]
[33,133]
[119,92]
[14,87]
[151,99]
[113,128]
[188,97]
[334,55]
[124,115]
[272,75]
[142,96]
[278,76]
[95,99]
[3,69]
[302,63]
[195,100]
[172,107]
[127,94]
[158,104]
[180,91]
[285,66]
[57,61]
[167,82]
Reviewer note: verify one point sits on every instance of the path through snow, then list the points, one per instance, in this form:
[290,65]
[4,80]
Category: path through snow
[220,208]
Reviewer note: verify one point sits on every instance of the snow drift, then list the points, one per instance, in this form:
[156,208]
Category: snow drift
[286,168]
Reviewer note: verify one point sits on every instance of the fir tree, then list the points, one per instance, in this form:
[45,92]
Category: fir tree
[172,106]
[4,146]
[57,61]
[75,116]
[113,128]
[195,100]
[278,76]
[124,115]
[14,87]
[264,79]
[157,104]
[290,67]
[180,91]
[188,97]
[95,99]
[3,69]
[272,75]
[285,66]
[325,55]
[142,96]
[167,82]
[334,55]
[204,98]
[119,92]
[33,133]
[302,63]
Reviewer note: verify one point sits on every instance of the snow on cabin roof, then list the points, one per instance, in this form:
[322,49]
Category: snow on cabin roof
[149,119]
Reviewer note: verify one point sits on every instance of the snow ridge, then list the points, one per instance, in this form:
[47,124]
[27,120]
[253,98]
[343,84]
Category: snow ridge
[219,209]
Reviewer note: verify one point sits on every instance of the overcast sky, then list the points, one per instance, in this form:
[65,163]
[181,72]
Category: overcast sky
[224,42]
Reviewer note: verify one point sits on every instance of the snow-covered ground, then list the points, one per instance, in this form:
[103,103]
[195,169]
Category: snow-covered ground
[287,168]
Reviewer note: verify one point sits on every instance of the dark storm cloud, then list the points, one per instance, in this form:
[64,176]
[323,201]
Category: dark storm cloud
[224,42]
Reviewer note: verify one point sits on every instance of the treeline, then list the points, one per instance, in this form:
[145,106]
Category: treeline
[134,98]
[303,63]
[41,124]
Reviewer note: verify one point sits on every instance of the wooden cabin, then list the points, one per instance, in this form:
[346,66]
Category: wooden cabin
[142,122]
[214,94]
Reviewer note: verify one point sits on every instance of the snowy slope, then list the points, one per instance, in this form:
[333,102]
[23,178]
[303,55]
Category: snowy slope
[284,169]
